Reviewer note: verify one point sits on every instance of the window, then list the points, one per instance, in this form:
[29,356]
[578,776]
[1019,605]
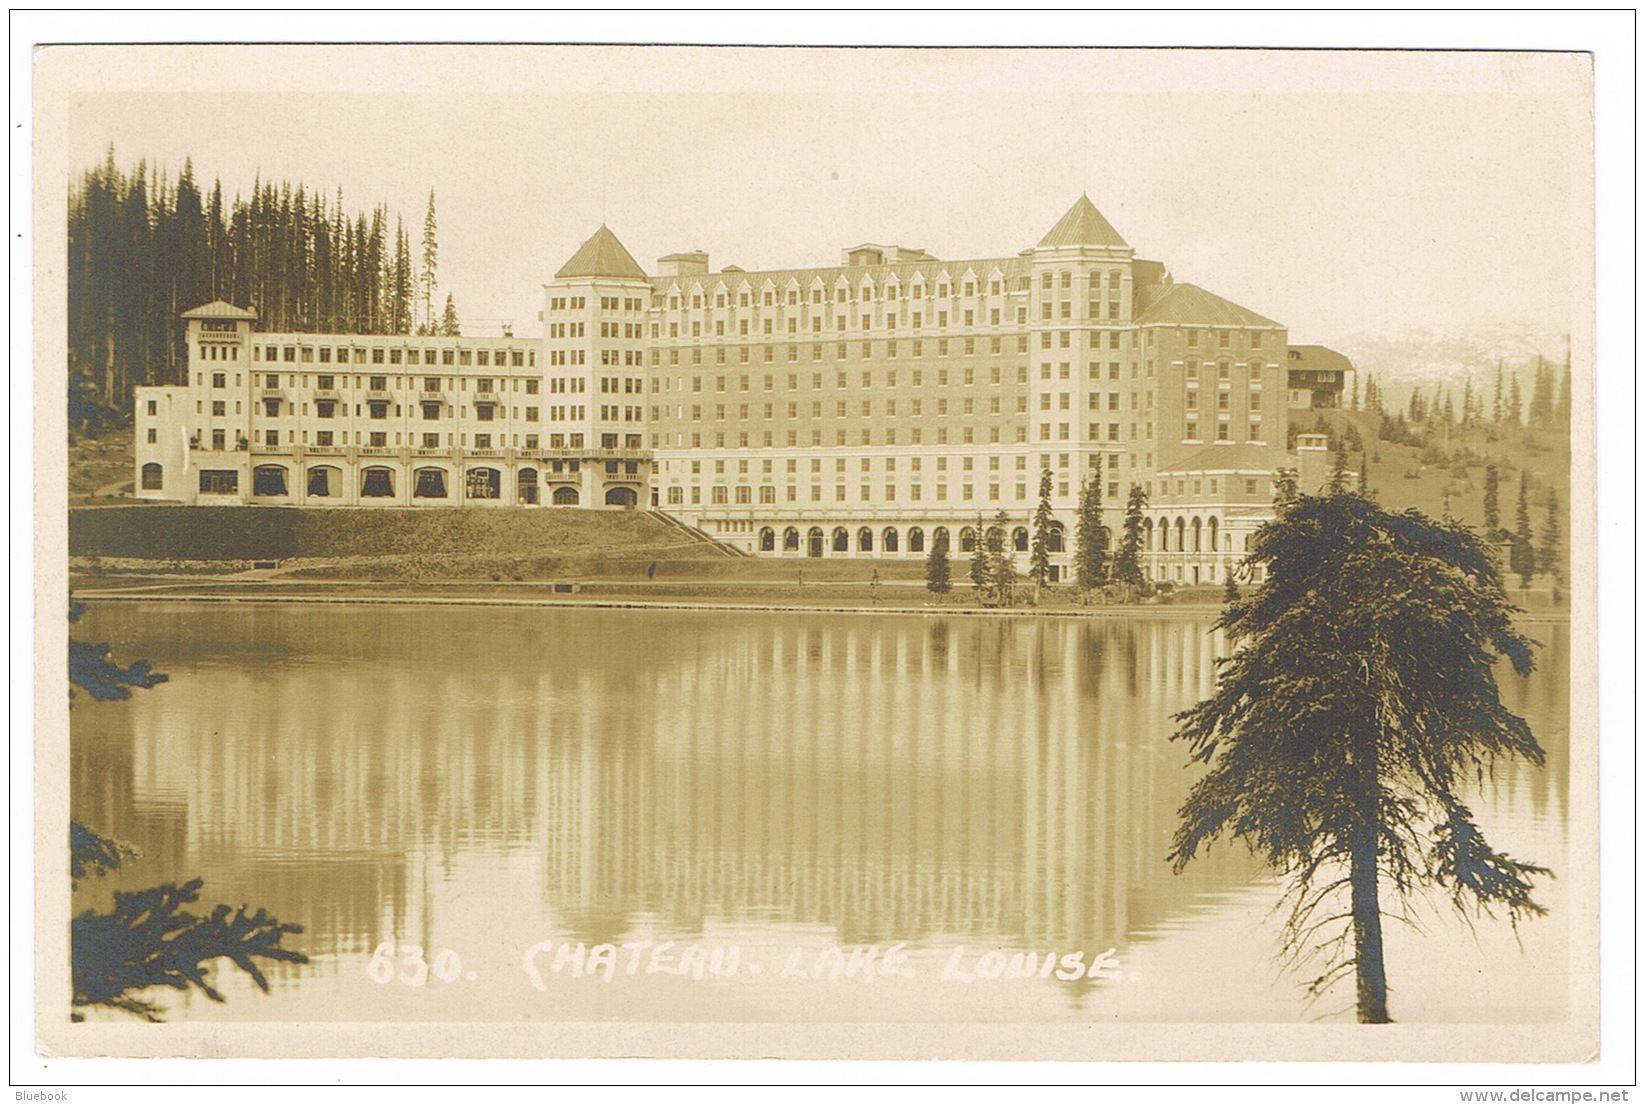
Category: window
[152,477]
[268,479]
[219,481]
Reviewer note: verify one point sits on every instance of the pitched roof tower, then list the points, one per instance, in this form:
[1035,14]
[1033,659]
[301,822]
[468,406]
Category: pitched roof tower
[1083,225]
[601,256]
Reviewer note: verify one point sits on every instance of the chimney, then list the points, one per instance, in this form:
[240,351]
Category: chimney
[1313,464]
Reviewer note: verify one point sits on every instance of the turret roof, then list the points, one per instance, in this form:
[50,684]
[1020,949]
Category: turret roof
[601,255]
[1083,225]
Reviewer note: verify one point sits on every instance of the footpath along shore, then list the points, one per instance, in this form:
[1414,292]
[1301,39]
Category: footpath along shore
[889,597]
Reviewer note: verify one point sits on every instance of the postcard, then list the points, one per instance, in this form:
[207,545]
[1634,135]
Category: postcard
[816,553]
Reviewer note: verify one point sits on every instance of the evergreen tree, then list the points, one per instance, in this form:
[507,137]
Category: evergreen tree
[1468,401]
[1002,567]
[1230,589]
[1365,474]
[979,562]
[1353,400]
[449,326]
[936,569]
[1128,559]
[1498,407]
[1514,413]
[402,296]
[1358,705]
[1493,513]
[1541,410]
[1339,472]
[1090,536]
[1522,554]
[431,263]
[1551,556]
[1039,549]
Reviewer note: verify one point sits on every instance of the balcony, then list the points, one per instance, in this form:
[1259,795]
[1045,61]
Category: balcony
[431,397]
[328,393]
[378,397]
[620,453]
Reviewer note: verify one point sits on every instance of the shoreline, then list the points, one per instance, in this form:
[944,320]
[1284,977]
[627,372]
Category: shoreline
[353,595]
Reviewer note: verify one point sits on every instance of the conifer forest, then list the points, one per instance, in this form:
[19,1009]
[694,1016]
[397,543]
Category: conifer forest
[144,246]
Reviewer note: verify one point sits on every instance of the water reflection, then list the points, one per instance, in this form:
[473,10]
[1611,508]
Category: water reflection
[876,779]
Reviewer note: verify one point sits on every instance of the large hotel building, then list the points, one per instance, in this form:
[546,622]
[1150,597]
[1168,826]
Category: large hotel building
[865,409]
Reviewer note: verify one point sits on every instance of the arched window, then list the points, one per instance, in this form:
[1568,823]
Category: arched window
[1148,534]
[888,540]
[842,540]
[431,484]
[865,540]
[1199,545]
[939,537]
[1053,538]
[324,482]
[916,540]
[1182,535]
[791,540]
[716,495]
[483,483]
[1213,546]
[745,496]
[268,479]
[621,496]
[768,539]
[1019,539]
[1247,544]
[528,485]
[153,477]
[968,540]
[377,483]
[565,496]
[814,542]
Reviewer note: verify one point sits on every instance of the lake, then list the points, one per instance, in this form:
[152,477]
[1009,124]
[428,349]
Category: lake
[562,814]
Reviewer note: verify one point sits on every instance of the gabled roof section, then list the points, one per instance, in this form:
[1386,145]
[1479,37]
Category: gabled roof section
[1318,358]
[601,255]
[1083,225]
[1190,305]
[219,308]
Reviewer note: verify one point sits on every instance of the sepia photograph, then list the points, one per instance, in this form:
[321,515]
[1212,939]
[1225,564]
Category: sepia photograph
[693,552]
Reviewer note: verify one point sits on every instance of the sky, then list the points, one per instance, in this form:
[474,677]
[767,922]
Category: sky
[1337,192]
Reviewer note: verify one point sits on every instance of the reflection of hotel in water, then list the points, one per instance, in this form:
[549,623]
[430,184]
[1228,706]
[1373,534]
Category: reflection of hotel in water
[893,779]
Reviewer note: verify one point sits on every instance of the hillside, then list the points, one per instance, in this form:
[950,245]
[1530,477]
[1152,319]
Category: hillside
[378,542]
[1447,471]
